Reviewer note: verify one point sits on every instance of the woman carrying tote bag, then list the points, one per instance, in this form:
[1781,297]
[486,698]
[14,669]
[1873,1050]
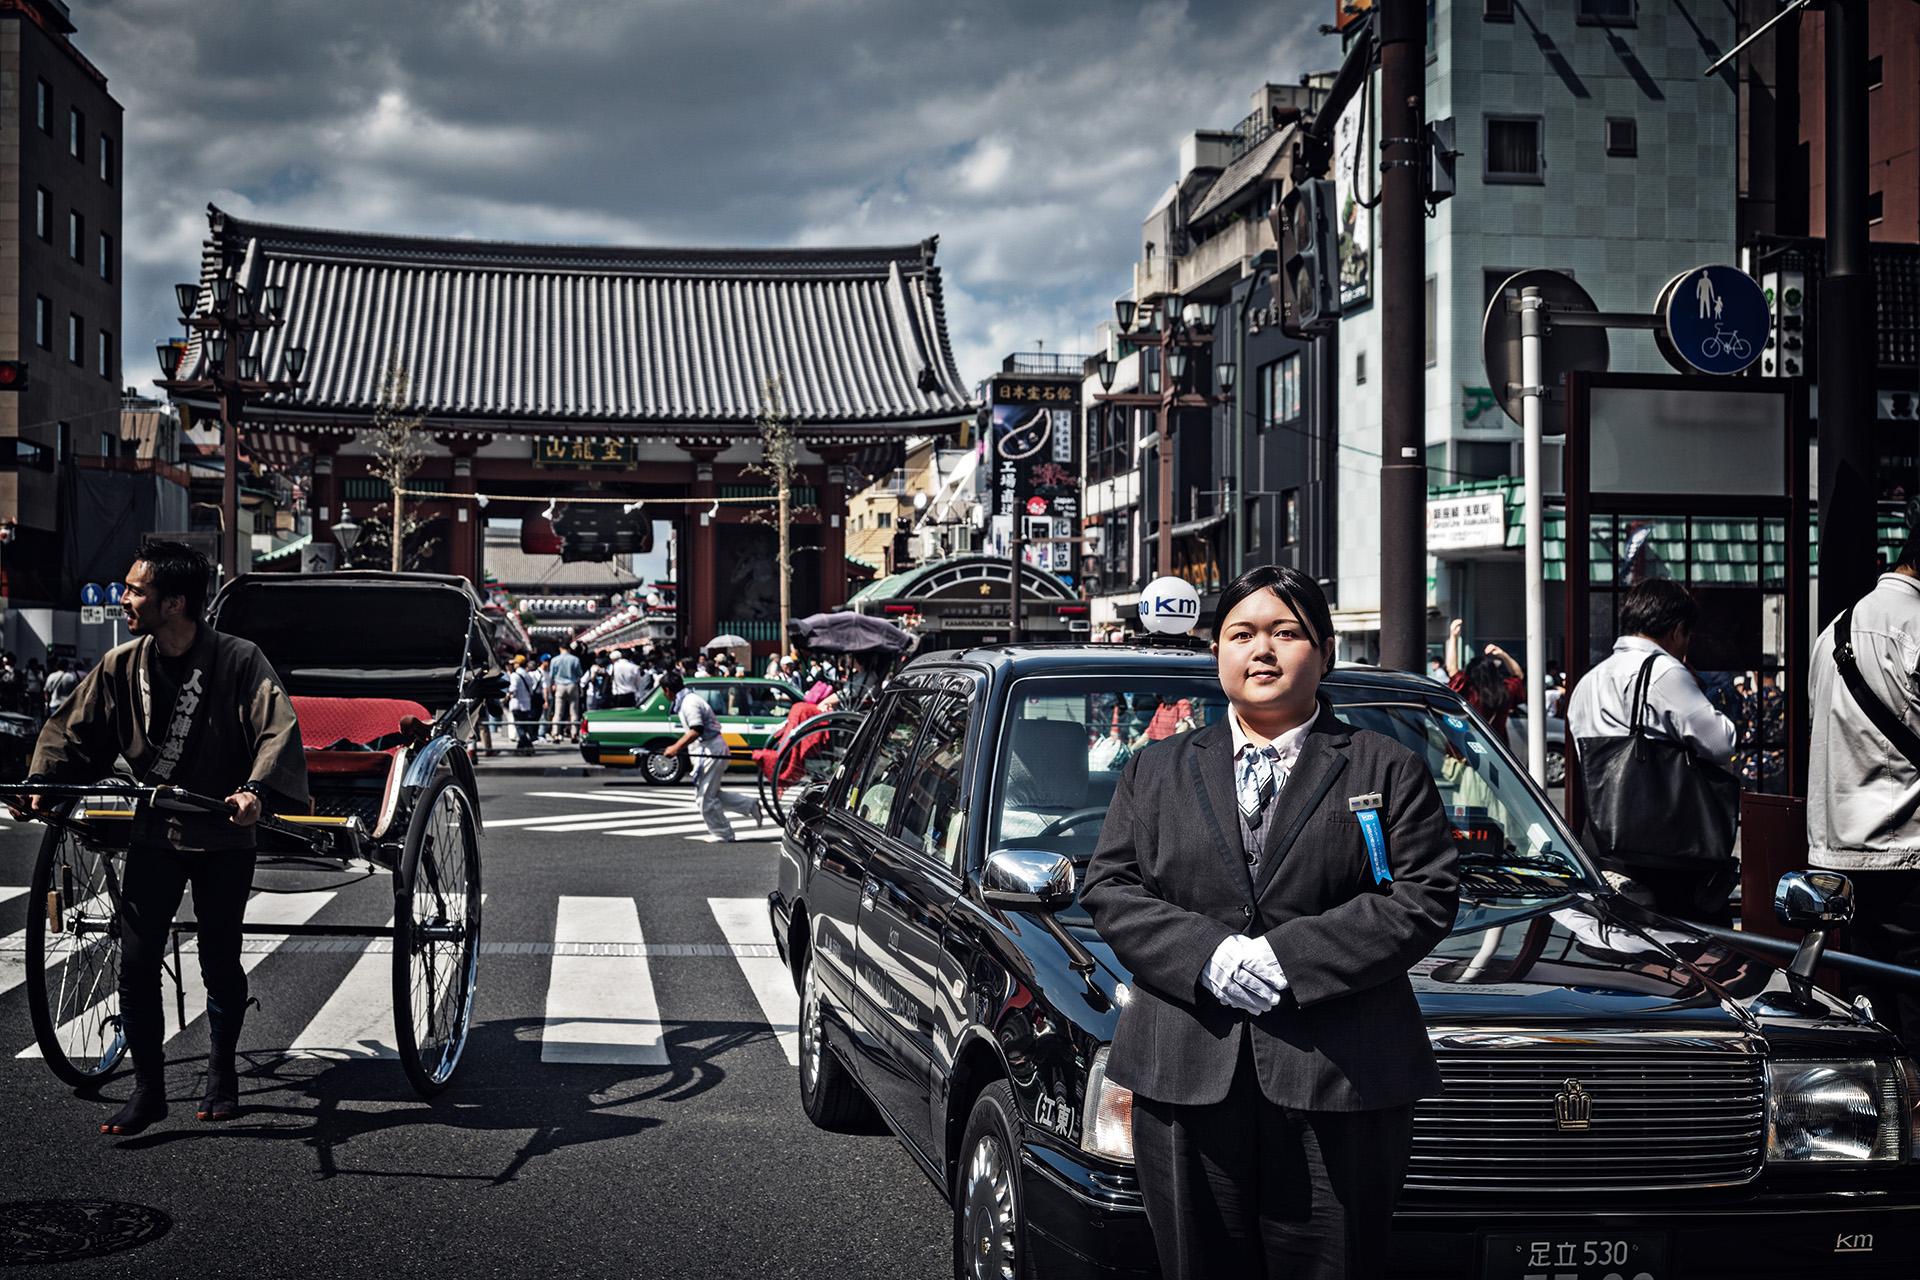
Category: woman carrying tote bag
[1269,879]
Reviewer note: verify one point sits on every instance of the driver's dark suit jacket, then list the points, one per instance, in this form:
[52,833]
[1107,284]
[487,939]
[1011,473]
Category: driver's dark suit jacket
[1170,880]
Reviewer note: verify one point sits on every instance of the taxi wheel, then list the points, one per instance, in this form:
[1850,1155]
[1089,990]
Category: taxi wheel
[988,1233]
[828,1093]
[664,770]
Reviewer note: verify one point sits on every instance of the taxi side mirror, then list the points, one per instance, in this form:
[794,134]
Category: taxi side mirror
[811,802]
[1027,880]
[1817,901]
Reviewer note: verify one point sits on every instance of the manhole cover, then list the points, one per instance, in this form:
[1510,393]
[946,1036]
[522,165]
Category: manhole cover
[36,1232]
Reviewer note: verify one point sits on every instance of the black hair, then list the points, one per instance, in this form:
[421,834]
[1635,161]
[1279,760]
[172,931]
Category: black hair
[1487,685]
[1300,592]
[178,570]
[1655,607]
[672,681]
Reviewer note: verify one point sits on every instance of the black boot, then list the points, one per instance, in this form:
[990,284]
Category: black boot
[148,1102]
[222,1101]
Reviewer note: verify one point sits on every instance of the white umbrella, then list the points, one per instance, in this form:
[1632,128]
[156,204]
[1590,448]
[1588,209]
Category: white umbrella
[724,642]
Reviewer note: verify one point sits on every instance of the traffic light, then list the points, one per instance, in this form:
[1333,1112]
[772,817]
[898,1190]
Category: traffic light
[1309,259]
[13,375]
[1787,349]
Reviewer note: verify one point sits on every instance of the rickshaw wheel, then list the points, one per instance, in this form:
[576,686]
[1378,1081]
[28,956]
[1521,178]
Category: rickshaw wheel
[73,967]
[436,934]
[820,762]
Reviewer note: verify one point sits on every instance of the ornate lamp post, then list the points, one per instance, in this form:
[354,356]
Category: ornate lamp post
[1172,336]
[231,329]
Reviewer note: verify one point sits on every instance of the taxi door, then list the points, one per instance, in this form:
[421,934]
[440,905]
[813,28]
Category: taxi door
[841,851]
[913,882]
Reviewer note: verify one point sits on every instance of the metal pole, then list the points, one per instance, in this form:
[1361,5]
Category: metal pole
[1532,336]
[1163,558]
[1847,346]
[230,481]
[1016,552]
[1403,253]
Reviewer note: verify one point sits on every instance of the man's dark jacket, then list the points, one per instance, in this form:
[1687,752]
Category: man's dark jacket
[1169,881]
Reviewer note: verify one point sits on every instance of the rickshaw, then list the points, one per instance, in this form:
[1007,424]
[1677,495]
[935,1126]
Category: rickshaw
[810,751]
[387,674]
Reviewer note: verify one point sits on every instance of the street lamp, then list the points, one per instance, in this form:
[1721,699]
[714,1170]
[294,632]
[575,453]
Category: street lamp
[1177,365]
[1123,309]
[346,532]
[229,372]
[1108,370]
[1223,374]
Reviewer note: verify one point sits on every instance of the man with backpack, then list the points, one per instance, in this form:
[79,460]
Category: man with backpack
[1863,779]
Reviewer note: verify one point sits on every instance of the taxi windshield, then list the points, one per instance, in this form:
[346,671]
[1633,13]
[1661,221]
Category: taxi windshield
[1066,739]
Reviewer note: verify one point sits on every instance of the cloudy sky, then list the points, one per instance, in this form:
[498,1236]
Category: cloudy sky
[1030,135]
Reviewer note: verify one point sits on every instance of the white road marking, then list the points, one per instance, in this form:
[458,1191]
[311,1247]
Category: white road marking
[13,948]
[601,1009]
[357,1019]
[262,908]
[597,817]
[744,921]
[668,799]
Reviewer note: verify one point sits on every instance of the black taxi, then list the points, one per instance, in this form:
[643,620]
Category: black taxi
[1626,1098]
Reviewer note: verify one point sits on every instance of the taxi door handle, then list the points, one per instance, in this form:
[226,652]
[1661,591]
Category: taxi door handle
[869,890]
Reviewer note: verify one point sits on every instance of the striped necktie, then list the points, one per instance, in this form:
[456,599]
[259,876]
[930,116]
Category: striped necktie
[1257,782]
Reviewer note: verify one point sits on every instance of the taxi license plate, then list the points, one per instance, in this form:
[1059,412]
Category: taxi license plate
[1561,1256]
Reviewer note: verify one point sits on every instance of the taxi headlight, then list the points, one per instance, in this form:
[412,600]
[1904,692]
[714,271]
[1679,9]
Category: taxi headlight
[1107,1127]
[1843,1110]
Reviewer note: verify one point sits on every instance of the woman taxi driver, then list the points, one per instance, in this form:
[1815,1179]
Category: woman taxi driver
[1269,880]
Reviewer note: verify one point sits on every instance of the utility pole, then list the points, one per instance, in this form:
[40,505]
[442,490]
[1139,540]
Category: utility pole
[1403,257]
[1846,345]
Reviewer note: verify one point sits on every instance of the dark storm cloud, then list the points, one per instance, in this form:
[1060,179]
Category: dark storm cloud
[1031,137]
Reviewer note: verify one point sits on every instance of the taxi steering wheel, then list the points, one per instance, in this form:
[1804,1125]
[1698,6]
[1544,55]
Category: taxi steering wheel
[1066,820]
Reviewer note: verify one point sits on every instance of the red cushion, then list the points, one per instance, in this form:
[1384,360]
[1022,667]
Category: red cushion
[350,762]
[324,721]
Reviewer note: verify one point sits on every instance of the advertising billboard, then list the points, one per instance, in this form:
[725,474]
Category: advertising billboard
[1034,447]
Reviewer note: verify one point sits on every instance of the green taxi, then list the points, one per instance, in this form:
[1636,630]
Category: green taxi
[750,711]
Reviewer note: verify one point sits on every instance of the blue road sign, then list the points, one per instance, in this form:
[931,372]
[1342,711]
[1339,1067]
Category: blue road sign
[91,593]
[114,591]
[1717,320]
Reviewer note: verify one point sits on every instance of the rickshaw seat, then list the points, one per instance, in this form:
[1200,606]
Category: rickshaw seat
[325,722]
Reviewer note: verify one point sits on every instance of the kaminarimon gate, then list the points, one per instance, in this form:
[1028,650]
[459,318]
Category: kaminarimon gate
[552,372]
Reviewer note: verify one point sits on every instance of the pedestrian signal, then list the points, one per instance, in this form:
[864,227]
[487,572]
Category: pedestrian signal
[1309,259]
[13,375]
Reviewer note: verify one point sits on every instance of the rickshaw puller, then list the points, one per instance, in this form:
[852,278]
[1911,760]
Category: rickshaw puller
[192,708]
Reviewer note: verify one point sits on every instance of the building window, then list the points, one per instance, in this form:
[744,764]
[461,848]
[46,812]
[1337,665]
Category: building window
[1433,321]
[76,335]
[43,107]
[1514,149]
[76,236]
[106,159]
[43,213]
[1497,10]
[883,520]
[76,133]
[1623,136]
[1874,207]
[1606,13]
[105,250]
[43,323]
[1360,367]
[1279,391]
[1289,530]
[106,354]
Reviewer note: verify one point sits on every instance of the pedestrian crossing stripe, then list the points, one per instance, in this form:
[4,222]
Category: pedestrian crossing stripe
[666,813]
[600,1006]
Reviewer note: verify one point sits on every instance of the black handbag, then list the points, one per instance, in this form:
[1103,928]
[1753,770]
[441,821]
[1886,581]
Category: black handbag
[1651,802]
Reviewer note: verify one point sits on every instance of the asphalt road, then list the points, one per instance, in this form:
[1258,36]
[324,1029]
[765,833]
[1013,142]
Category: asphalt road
[688,1157]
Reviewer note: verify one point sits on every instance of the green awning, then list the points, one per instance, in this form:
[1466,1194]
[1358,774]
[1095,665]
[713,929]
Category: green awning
[285,550]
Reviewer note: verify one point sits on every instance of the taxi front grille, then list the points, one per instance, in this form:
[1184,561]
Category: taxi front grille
[1654,1121]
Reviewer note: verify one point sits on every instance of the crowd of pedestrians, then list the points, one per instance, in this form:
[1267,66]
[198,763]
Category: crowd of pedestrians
[548,695]
[32,688]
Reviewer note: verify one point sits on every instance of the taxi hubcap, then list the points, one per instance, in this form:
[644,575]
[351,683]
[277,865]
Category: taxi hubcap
[989,1216]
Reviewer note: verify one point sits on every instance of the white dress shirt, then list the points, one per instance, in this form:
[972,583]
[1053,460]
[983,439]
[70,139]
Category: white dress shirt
[626,676]
[1286,747]
[1602,705]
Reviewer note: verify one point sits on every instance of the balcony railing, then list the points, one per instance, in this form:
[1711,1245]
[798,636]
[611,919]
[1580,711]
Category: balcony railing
[751,628]
[168,471]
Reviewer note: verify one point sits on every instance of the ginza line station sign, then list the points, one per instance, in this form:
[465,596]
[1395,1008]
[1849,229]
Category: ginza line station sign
[1467,521]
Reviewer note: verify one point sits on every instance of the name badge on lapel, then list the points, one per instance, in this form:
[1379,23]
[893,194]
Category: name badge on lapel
[1367,809]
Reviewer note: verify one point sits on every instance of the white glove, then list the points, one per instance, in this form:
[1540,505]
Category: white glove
[1233,983]
[1260,961]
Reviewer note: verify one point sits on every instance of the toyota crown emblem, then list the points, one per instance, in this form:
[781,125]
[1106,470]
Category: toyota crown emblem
[1572,1107]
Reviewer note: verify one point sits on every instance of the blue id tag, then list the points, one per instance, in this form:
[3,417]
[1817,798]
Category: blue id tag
[1367,809]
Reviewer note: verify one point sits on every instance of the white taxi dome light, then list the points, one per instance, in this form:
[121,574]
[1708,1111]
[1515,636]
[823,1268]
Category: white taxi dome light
[1169,606]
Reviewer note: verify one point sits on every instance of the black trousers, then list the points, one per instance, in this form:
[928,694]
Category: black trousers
[1242,1188]
[1886,926]
[156,877]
